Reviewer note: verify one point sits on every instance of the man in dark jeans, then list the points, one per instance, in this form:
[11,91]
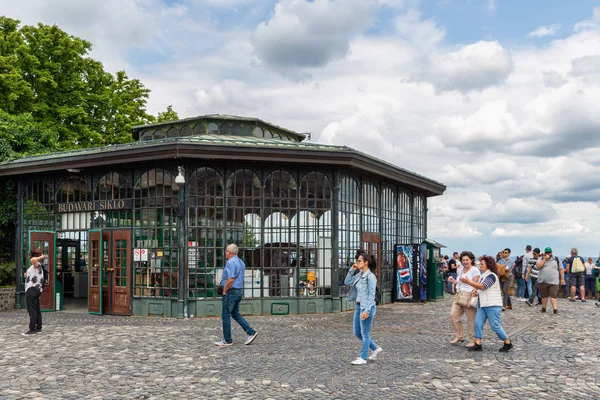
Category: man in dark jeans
[233,290]
[532,273]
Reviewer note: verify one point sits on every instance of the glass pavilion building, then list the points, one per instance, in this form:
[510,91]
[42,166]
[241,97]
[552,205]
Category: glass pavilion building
[141,228]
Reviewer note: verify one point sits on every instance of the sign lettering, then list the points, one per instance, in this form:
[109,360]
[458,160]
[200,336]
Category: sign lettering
[99,205]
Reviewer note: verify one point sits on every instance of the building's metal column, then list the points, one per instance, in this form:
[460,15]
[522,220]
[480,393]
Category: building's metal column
[19,245]
[180,180]
[335,248]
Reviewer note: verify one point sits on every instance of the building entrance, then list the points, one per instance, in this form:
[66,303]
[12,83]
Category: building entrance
[44,241]
[110,272]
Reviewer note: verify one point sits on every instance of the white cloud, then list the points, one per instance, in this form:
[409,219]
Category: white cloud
[542,31]
[518,210]
[471,67]
[491,125]
[593,23]
[511,129]
[425,34]
[310,34]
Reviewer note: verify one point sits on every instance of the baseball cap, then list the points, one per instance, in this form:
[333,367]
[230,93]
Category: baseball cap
[548,250]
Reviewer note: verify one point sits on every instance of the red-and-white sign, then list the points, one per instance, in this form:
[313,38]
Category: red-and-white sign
[140,254]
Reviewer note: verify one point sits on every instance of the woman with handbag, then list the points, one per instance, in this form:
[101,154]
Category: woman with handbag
[362,291]
[460,305]
[490,303]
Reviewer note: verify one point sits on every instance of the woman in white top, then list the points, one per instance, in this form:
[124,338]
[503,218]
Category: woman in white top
[469,271]
[490,303]
[34,285]
[590,280]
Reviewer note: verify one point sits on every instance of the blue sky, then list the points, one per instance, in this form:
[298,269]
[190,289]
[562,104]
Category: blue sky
[499,100]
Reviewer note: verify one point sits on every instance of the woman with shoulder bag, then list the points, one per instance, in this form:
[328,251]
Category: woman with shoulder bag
[460,305]
[490,303]
[362,291]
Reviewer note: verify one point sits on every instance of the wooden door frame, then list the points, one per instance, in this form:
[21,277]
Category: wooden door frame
[114,236]
[91,271]
[42,236]
[373,238]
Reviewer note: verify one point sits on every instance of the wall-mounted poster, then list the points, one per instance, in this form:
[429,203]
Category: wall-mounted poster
[423,272]
[405,259]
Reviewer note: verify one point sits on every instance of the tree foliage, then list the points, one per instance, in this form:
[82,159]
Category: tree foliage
[54,96]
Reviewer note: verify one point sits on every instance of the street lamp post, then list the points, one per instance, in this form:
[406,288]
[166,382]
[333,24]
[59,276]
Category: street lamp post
[181,230]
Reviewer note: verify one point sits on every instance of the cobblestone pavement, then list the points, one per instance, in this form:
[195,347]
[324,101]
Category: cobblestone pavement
[302,357]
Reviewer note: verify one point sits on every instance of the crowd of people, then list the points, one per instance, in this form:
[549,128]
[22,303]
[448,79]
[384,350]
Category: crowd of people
[482,288]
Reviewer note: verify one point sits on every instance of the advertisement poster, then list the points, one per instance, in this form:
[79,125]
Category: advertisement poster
[423,272]
[404,272]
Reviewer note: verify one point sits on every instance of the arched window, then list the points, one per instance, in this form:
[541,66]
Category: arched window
[281,249]
[113,186]
[370,211]
[349,231]
[315,200]
[205,229]
[389,216]
[156,207]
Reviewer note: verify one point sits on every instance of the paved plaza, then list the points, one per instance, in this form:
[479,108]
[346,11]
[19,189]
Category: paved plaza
[302,357]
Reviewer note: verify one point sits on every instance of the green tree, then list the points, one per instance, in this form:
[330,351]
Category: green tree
[168,115]
[49,73]
[53,96]
[15,93]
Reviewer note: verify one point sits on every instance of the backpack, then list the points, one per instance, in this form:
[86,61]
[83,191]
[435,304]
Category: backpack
[503,273]
[577,265]
[596,272]
[518,271]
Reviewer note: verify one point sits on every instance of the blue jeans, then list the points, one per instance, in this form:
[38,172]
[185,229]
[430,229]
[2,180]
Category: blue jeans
[452,274]
[534,290]
[230,308]
[493,315]
[520,288]
[590,285]
[529,286]
[362,330]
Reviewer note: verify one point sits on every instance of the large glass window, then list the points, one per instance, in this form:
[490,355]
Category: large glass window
[155,218]
[404,210]
[113,186]
[206,231]
[243,197]
[419,215]
[349,233]
[282,252]
[370,203]
[313,234]
[388,237]
[73,190]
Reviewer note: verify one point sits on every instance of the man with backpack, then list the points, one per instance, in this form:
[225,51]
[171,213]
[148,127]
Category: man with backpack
[576,271]
[518,274]
[550,275]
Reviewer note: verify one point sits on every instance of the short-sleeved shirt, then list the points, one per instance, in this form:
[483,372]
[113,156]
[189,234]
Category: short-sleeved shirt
[234,268]
[471,274]
[549,272]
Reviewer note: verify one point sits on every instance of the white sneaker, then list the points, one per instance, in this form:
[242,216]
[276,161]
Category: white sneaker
[222,342]
[359,361]
[374,353]
[251,338]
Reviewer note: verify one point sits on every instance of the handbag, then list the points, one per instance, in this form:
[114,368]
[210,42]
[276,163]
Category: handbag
[462,298]
[220,290]
[474,302]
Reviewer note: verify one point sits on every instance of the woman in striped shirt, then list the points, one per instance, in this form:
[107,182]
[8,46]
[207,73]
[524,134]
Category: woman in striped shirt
[490,303]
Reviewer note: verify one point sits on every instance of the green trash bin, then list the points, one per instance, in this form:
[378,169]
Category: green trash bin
[435,270]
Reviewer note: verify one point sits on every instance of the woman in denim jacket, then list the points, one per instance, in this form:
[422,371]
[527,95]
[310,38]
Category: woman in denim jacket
[364,284]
